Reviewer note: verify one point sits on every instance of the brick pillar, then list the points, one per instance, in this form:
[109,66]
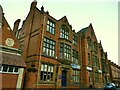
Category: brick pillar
[71,77]
[59,77]
[31,78]
[20,78]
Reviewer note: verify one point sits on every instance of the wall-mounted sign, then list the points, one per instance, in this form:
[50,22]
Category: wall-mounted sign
[75,66]
[89,68]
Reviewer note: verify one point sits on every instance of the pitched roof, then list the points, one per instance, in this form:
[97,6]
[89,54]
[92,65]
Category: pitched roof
[7,33]
[12,59]
[6,51]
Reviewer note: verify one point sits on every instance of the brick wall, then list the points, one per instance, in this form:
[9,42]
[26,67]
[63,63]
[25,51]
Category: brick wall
[8,80]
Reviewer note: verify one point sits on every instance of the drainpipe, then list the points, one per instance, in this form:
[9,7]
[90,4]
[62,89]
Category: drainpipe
[20,78]
[81,60]
[40,50]
[93,82]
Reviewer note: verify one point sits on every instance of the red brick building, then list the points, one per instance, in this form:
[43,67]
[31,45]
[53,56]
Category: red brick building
[11,63]
[50,50]
[114,72]
[57,56]
[91,58]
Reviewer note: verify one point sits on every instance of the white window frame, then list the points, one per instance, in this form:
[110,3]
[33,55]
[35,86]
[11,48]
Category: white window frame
[13,72]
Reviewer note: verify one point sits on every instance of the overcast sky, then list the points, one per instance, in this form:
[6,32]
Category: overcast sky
[103,14]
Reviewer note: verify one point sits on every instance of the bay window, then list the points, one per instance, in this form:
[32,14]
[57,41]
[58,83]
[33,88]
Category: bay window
[46,72]
[65,51]
[49,47]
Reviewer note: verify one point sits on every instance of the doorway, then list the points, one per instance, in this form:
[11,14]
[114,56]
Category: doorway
[64,79]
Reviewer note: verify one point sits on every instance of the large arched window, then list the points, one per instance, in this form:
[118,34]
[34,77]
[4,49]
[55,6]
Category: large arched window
[89,43]
[95,46]
[64,32]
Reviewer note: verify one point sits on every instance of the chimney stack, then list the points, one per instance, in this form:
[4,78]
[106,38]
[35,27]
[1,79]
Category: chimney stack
[1,15]
[16,25]
[42,9]
[33,4]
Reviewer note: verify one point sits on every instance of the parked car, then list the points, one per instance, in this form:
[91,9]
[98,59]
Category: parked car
[110,86]
[117,86]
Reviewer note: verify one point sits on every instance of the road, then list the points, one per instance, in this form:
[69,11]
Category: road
[99,89]
[94,89]
[81,89]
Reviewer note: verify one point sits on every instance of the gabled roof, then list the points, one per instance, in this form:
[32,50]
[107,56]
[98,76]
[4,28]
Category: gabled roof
[82,30]
[7,33]
[87,29]
[64,19]
[8,43]
[12,59]
[90,26]
[101,45]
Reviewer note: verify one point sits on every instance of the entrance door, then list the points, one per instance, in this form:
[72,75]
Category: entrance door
[64,77]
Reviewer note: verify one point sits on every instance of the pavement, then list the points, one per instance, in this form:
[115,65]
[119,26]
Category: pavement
[75,89]
[118,88]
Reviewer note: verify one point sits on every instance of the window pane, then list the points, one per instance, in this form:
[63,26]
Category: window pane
[47,51]
[50,46]
[53,31]
[47,45]
[44,44]
[50,29]
[51,68]
[42,67]
[61,54]
[48,22]
[45,68]
[45,39]
[53,25]
[74,78]
[48,76]
[53,46]
[77,72]
[53,43]
[16,69]
[50,26]
[48,68]
[0,67]
[41,76]
[45,76]
[50,53]
[10,69]
[77,79]
[53,53]
[47,27]
[5,68]
[44,49]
